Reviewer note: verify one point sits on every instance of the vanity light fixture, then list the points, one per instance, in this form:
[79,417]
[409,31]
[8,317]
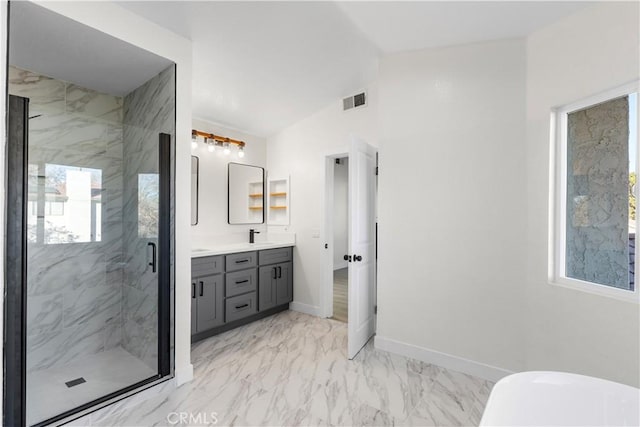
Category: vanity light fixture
[212,141]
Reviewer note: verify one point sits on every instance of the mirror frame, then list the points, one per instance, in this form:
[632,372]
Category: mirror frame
[229,194]
[197,195]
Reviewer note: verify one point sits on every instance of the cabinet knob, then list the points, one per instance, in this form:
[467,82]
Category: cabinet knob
[357,258]
[347,258]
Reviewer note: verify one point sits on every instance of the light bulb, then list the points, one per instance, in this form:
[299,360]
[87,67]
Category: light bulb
[226,150]
[241,152]
[194,142]
[211,148]
[209,143]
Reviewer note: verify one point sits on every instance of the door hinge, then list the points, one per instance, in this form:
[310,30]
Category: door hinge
[375,309]
[376,170]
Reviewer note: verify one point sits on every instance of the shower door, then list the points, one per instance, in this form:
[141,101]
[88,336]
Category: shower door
[92,260]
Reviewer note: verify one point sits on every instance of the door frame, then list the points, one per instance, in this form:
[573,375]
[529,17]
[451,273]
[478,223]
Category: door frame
[326,290]
[15,279]
[14,394]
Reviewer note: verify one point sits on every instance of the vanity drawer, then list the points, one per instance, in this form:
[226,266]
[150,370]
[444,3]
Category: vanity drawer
[275,256]
[206,266]
[241,282]
[241,306]
[241,261]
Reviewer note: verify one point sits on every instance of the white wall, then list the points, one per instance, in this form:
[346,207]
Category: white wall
[114,20]
[582,55]
[340,212]
[212,221]
[299,151]
[452,219]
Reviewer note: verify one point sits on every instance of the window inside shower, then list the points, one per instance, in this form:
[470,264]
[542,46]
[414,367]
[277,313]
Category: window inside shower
[65,204]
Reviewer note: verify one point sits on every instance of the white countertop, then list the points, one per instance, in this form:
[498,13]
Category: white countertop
[235,242]
[231,248]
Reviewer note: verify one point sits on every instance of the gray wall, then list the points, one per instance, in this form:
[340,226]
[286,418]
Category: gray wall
[597,194]
[148,111]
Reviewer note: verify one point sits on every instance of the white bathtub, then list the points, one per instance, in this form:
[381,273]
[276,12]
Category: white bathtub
[561,399]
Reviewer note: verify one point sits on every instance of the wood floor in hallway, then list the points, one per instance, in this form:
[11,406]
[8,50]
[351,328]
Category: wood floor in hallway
[340,286]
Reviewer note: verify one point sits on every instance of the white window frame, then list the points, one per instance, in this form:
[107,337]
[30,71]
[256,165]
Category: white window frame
[558,200]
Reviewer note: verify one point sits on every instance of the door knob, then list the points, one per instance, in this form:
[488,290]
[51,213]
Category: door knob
[357,258]
[347,258]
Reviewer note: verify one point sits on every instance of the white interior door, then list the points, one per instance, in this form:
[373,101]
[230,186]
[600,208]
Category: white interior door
[362,244]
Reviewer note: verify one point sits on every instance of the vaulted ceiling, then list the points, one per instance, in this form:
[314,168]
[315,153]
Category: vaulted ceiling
[261,66]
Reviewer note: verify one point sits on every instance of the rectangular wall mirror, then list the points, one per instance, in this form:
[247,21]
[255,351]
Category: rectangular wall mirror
[245,194]
[195,170]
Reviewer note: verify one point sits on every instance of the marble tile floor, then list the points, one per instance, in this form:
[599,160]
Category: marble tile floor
[291,369]
[104,373]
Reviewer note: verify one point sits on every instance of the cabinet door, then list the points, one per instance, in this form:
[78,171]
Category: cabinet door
[284,292]
[210,295]
[194,306]
[267,288]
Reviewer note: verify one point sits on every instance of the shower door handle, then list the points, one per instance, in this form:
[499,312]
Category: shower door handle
[153,256]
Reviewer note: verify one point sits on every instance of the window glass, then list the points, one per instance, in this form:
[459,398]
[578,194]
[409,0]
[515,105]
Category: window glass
[600,197]
[148,199]
[65,204]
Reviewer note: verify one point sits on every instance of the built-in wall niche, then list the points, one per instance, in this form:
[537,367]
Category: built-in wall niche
[278,201]
[255,201]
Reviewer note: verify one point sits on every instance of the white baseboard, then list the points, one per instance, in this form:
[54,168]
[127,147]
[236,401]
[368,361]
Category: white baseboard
[183,374]
[449,361]
[304,308]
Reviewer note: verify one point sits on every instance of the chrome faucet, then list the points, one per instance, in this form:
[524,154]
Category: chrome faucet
[252,235]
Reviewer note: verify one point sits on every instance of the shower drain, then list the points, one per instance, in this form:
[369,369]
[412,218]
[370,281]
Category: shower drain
[75,382]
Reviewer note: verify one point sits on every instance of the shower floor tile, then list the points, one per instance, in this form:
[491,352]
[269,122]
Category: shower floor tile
[104,373]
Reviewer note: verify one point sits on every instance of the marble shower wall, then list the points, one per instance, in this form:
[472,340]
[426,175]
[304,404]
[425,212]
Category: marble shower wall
[597,194]
[74,289]
[148,111]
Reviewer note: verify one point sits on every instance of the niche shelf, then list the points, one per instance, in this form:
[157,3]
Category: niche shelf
[255,201]
[278,201]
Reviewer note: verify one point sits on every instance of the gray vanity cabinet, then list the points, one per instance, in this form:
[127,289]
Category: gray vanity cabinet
[210,302]
[267,287]
[233,289]
[284,285]
[275,285]
[207,293]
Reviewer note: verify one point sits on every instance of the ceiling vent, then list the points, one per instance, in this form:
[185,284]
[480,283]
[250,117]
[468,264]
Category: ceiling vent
[355,101]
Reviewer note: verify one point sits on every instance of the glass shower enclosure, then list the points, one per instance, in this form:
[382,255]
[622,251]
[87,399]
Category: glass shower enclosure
[94,246]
